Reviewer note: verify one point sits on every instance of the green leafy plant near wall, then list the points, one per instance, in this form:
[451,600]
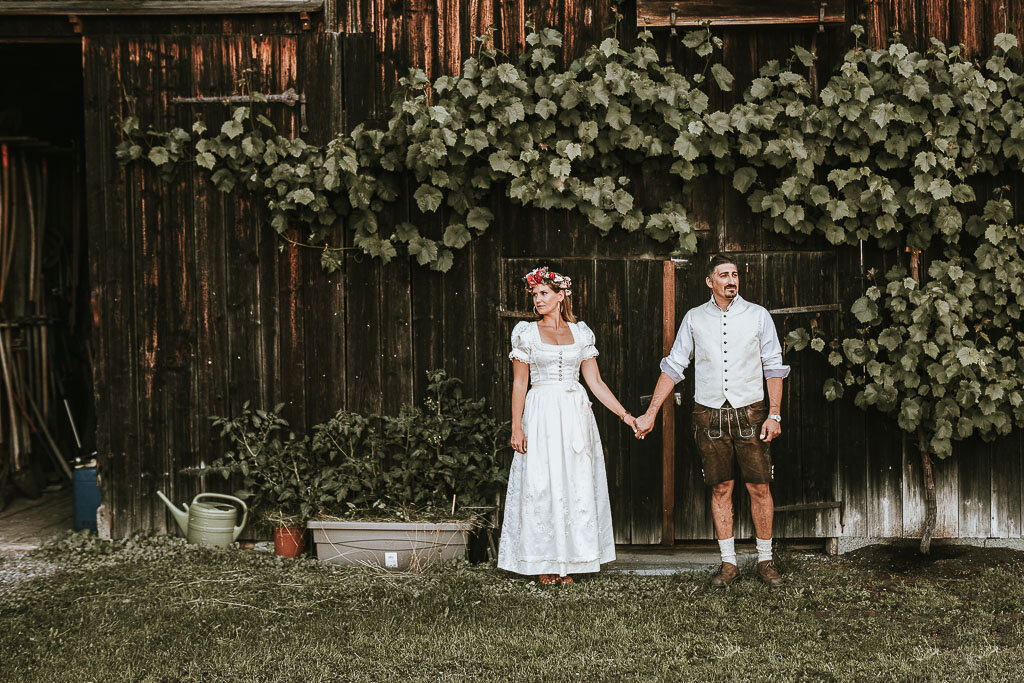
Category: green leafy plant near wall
[891,149]
[431,461]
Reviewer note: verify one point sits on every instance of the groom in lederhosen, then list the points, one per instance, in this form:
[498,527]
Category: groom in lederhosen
[735,347]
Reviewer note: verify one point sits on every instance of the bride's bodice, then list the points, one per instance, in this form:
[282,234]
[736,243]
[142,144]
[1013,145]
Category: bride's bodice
[552,363]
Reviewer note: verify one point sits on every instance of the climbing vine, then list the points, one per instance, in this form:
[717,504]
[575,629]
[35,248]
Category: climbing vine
[891,149]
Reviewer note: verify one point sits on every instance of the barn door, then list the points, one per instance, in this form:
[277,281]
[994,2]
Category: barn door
[800,289]
[621,300]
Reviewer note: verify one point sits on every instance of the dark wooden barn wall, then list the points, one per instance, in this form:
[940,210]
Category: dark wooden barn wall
[197,312]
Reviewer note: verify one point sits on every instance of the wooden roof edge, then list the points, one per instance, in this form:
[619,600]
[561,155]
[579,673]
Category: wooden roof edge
[689,13]
[156,7]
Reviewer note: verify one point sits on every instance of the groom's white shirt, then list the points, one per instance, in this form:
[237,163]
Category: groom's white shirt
[732,351]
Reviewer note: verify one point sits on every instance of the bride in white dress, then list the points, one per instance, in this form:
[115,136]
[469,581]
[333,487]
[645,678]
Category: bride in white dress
[558,519]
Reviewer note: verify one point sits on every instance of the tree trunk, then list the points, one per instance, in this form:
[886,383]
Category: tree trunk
[929,499]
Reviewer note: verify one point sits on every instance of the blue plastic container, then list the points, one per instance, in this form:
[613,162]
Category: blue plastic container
[87,498]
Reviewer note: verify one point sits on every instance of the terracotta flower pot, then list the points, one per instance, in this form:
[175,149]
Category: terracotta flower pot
[289,541]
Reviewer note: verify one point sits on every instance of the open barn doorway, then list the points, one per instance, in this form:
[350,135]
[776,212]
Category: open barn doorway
[46,399]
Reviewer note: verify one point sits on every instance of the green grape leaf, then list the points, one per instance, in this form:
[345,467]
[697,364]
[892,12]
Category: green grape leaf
[428,198]
[722,77]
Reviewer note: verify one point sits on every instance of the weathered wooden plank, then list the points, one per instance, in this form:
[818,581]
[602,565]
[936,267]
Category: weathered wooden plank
[851,425]
[321,77]
[946,474]
[156,7]
[362,309]
[145,224]
[211,287]
[491,352]
[1006,488]
[913,491]
[458,293]
[884,478]
[975,458]
[176,421]
[110,280]
[817,276]
[738,12]
[428,321]
[419,49]
[477,20]
[246,327]
[693,499]
[510,18]
[947,494]
[210,249]
[398,369]
[643,292]
[779,275]
[387,28]
[935,19]
[905,19]
[362,336]
[222,25]
[606,317]
[449,49]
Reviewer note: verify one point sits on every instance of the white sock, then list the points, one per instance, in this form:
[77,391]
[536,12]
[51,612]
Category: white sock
[728,548]
[764,549]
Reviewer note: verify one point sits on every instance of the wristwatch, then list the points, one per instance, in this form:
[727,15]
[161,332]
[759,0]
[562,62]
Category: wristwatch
[777,418]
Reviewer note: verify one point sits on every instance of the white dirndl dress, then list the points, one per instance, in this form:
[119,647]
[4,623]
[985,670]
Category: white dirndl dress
[558,519]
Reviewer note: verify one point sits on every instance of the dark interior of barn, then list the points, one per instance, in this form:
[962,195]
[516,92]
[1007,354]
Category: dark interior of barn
[46,400]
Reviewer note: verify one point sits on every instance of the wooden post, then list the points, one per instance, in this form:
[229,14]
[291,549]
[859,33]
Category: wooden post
[668,413]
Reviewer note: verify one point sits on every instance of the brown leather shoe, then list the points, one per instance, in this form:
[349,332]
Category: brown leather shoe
[769,574]
[727,573]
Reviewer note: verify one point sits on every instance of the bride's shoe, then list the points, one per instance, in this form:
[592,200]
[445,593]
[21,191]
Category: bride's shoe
[548,579]
[566,579]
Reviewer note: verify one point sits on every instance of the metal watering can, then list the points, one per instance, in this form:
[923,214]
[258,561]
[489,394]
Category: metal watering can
[208,523]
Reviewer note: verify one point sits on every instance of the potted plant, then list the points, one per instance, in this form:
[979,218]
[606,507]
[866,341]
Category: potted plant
[276,472]
[402,491]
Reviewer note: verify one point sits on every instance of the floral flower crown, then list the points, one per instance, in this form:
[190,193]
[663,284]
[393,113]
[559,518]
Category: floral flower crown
[543,276]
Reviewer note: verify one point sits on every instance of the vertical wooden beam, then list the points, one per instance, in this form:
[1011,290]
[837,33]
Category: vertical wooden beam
[877,24]
[668,412]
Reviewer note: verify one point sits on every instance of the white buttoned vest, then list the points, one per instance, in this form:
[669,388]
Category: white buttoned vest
[727,356]
[732,352]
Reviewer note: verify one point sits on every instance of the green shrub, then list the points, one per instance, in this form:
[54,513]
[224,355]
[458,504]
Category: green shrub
[416,460]
[409,465]
[277,472]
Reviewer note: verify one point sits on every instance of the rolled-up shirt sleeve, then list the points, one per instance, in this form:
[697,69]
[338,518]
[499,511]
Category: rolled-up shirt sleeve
[678,359]
[771,349]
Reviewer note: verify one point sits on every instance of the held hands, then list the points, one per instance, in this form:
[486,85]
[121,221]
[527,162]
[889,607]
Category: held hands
[644,425]
[518,440]
[630,421]
[770,430]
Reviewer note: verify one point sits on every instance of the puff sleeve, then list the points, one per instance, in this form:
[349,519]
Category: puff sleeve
[520,343]
[587,340]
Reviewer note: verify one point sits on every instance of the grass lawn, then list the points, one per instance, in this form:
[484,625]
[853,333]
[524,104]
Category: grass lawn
[155,609]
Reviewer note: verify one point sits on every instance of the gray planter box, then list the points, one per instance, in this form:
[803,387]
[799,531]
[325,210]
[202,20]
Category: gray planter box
[405,546]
